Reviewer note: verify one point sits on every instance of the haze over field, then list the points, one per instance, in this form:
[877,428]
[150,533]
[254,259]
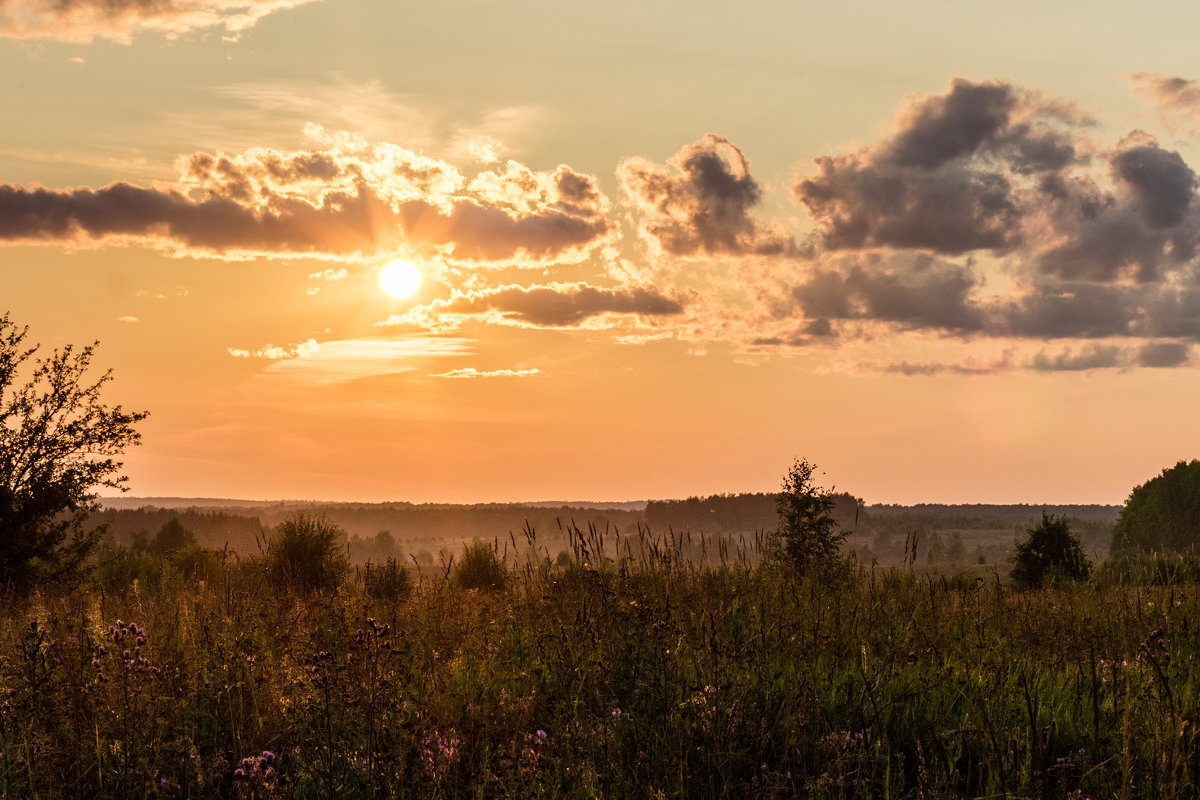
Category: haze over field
[357,250]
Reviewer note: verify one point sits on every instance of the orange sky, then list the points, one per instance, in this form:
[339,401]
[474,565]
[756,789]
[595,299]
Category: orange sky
[664,249]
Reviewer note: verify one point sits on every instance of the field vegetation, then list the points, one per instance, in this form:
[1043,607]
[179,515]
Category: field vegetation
[628,671]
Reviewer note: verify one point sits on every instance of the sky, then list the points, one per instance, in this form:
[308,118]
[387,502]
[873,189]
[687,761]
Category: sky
[946,251]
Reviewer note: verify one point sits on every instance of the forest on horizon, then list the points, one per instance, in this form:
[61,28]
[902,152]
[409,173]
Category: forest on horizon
[427,533]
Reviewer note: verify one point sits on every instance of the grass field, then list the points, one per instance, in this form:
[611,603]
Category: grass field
[646,677]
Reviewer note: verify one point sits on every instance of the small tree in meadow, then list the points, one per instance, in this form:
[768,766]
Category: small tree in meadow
[808,536]
[1051,550]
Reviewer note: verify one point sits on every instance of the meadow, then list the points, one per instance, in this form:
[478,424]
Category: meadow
[624,672]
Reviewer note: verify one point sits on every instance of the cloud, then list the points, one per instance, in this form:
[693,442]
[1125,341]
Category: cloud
[699,205]
[915,291]
[471,372]
[334,203]
[541,306]
[329,275]
[955,177]
[127,319]
[1177,99]
[1161,183]
[1089,358]
[307,349]
[929,368]
[989,214]
[341,360]
[1068,310]
[1164,354]
[122,20]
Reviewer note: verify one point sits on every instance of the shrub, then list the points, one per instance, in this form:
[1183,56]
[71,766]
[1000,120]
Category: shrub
[118,567]
[480,568]
[388,581]
[305,554]
[1050,551]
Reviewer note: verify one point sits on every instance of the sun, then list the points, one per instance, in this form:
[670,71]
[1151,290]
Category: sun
[400,278]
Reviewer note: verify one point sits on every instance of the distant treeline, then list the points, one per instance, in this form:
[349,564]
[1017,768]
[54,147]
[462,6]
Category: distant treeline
[376,530]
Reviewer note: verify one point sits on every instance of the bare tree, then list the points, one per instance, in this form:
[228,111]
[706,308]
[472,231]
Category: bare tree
[59,444]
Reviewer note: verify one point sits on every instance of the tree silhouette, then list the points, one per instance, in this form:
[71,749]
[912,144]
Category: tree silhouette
[59,444]
[1050,551]
[808,535]
[1163,513]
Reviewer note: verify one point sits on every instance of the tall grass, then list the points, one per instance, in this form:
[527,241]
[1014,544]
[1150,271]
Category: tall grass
[636,670]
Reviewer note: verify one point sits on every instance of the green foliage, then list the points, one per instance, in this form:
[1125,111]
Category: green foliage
[118,567]
[388,581]
[1163,513]
[305,554]
[808,536]
[58,444]
[1050,551]
[480,568]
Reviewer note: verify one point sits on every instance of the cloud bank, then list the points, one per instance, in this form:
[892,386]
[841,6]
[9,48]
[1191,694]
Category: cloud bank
[989,213]
[334,203]
[123,20]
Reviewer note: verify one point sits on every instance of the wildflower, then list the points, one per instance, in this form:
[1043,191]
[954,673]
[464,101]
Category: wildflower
[541,734]
[616,712]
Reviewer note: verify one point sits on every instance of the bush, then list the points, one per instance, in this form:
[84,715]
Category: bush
[388,581]
[1050,551]
[305,554]
[480,568]
[118,567]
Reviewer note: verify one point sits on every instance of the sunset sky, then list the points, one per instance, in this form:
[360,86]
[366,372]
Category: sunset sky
[948,251]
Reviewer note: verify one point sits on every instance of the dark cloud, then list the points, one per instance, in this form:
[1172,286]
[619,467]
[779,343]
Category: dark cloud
[1164,354]
[490,233]
[927,369]
[122,20]
[344,223]
[1069,310]
[858,204]
[1145,228]
[954,178]
[1161,183]
[319,202]
[991,167]
[1112,246]
[917,292]
[936,130]
[700,204]
[1091,357]
[557,305]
